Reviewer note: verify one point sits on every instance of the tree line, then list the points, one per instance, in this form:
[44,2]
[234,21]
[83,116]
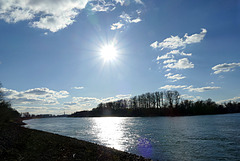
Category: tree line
[166,103]
[148,100]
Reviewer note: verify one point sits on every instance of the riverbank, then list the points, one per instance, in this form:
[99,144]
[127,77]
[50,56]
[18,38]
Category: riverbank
[19,143]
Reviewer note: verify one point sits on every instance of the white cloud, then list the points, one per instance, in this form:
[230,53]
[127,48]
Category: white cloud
[91,102]
[172,42]
[177,52]
[116,26]
[125,19]
[235,99]
[139,12]
[171,53]
[47,14]
[169,87]
[17,15]
[201,89]
[85,99]
[225,67]
[78,87]
[123,96]
[139,1]
[195,38]
[136,20]
[115,98]
[190,88]
[155,44]
[102,6]
[120,1]
[188,97]
[55,23]
[175,42]
[183,63]
[69,103]
[169,61]
[174,77]
[166,56]
[42,96]
[185,54]
[55,15]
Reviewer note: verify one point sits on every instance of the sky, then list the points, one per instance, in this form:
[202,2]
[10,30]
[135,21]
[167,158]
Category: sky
[70,55]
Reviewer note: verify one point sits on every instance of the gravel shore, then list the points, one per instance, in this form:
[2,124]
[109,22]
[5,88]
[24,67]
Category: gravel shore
[23,144]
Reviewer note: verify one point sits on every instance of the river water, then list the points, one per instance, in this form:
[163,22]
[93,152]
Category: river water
[198,138]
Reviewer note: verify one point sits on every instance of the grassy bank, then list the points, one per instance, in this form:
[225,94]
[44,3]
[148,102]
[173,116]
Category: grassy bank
[18,143]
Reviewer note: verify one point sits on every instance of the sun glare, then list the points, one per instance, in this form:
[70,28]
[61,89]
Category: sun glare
[108,52]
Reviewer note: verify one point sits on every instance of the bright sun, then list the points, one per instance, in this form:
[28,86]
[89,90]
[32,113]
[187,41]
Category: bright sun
[108,52]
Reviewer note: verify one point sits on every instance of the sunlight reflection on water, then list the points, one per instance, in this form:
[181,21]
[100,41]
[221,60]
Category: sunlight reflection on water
[109,131]
[115,132]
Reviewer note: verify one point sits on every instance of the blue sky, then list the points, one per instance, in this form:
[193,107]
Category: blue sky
[51,57]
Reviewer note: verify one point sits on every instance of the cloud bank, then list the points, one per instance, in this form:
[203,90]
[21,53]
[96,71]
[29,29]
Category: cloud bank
[40,96]
[45,14]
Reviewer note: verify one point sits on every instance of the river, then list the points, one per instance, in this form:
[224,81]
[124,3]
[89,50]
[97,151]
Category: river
[198,138]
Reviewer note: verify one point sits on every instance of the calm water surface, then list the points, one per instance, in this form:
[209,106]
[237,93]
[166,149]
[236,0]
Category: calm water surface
[200,138]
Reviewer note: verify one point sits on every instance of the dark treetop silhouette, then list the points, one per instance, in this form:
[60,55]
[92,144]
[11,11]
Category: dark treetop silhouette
[167,103]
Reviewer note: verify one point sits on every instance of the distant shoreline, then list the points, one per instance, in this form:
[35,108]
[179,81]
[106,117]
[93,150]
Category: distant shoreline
[70,116]
[19,143]
[150,113]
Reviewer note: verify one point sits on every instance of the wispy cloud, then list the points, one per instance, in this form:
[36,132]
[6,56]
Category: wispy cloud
[175,42]
[169,61]
[225,67]
[235,99]
[190,88]
[169,87]
[120,1]
[201,89]
[139,1]
[124,20]
[166,56]
[172,54]
[102,6]
[78,87]
[174,77]
[123,96]
[189,97]
[126,2]
[136,20]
